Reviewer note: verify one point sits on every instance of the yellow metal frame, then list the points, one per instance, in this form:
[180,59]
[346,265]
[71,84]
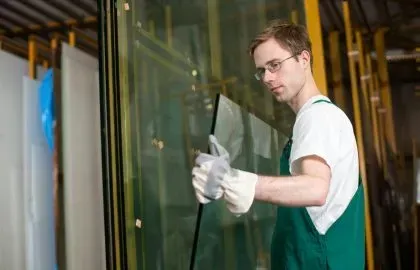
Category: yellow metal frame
[374,101]
[32,55]
[362,72]
[34,45]
[72,38]
[313,24]
[385,88]
[214,36]
[381,127]
[359,133]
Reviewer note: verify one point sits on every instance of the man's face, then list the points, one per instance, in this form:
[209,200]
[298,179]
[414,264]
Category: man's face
[289,77]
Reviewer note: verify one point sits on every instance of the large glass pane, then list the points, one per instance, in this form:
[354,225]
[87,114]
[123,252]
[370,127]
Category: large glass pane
[174,58]
[226,241]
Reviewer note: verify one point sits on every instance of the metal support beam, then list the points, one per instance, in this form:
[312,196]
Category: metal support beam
[81,35]
[374,101]
[214,37]
[359,133]
[362,70]
[72,38]
[386,97]
[313,24]
[381,127]
[62,27]
[19,49]
[32,55]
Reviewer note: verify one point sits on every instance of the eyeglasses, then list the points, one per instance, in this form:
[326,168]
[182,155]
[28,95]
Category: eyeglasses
[272,67]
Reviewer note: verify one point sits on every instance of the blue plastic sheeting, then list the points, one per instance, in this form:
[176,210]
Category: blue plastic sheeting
[47,110]
[46,106]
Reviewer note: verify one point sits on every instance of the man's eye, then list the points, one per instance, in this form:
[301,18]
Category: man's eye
[275,65]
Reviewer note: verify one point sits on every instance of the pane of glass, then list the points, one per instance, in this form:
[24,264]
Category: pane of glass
[226,241]
[174,58]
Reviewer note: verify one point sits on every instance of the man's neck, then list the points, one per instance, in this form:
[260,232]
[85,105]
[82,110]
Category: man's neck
[308,91]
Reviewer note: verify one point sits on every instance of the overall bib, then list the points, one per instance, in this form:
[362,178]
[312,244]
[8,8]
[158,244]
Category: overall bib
[297,245]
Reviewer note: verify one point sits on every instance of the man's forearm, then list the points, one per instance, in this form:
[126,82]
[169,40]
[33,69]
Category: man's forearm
[301,190]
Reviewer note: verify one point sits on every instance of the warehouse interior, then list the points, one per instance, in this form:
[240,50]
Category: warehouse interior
[367,58]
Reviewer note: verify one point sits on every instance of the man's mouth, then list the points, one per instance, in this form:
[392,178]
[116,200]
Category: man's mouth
[274,89]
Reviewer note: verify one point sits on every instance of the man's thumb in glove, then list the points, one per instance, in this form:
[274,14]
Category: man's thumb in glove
[216,149]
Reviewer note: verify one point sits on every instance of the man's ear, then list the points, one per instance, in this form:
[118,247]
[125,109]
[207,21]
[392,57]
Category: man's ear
[306,58]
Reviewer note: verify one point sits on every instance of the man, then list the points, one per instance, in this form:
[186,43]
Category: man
[320,217]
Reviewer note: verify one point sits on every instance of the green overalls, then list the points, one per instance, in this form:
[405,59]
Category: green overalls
[297,245]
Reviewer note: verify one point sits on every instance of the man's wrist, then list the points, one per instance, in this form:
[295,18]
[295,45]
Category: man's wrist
[239,189]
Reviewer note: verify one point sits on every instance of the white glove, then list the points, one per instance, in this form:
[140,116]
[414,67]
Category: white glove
[239,187]
[208,176]
[213,177]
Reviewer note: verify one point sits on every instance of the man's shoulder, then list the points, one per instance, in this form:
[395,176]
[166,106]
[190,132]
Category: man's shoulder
[322,112]
[323,118]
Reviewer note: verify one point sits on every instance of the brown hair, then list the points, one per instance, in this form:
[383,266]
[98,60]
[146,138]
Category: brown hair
[291,37]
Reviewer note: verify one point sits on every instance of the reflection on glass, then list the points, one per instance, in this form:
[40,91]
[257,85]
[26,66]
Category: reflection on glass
[174,58]
[225,241]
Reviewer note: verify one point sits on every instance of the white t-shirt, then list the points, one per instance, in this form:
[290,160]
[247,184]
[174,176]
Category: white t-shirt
[324,130]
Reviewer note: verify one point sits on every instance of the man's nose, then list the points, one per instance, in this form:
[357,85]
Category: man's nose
[268,76]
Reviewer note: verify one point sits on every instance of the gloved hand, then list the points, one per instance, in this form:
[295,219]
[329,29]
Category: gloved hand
[209,172]
[213,178]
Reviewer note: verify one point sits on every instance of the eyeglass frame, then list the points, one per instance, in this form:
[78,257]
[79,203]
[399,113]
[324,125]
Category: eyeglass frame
[261,71]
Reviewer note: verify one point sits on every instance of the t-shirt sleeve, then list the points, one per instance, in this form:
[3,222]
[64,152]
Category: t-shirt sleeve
[316,132]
